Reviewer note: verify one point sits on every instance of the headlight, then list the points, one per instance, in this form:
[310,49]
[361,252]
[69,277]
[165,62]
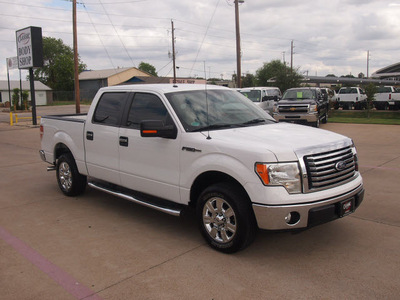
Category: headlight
[313,107]
[283,174]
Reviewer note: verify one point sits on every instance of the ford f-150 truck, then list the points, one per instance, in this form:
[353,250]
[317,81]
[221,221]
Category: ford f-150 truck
[172,147]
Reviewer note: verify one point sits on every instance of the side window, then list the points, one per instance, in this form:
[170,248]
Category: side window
[146,107]
[109,109]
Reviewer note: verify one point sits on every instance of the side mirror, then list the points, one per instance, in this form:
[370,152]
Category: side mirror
[156,128]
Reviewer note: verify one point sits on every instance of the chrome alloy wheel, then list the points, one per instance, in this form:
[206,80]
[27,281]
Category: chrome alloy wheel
[65,176]
[219,220]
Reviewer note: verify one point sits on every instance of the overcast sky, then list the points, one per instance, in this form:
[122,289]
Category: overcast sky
[329,37]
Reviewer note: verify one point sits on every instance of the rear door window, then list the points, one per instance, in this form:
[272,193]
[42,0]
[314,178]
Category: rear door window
[109,109]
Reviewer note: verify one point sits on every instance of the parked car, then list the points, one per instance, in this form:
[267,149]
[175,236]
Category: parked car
[302,105]
[387,97]
[174,146]
[265,97]
[352,97]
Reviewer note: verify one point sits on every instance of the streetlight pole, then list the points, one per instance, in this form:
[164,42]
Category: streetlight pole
[238,52]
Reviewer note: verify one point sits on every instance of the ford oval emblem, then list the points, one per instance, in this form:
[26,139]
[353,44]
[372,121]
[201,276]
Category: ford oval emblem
[341,165]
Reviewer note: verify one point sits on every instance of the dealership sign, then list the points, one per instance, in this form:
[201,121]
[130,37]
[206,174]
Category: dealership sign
[12,63]
[29,47]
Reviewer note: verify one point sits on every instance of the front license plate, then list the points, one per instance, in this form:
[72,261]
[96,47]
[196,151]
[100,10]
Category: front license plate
[347,207]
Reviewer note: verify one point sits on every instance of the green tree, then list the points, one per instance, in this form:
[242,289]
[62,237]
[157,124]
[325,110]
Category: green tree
[249,80]
[146,67]
[370,91]
[15,99]
[25,96]
[275,73]
[58,65]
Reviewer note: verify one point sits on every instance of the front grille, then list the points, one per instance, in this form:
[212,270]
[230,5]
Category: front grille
[329,169]
[293,108]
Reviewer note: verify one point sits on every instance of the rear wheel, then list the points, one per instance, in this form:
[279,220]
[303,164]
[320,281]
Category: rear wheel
[226,218]
[69,180]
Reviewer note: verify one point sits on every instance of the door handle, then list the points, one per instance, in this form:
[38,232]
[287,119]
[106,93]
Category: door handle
[123,141]
[89,135]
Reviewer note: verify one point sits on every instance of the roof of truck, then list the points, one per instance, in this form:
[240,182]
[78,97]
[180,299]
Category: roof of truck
[163,88]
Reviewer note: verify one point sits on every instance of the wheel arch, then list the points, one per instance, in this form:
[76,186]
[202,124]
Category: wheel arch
[60,149]
[208,178]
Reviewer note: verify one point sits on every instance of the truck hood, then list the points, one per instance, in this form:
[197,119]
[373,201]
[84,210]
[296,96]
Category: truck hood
[282,139]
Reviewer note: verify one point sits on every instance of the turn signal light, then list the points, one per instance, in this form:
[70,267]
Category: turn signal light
[262,171]
[150,131]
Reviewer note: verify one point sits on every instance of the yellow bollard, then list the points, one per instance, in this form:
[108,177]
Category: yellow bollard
[11,119]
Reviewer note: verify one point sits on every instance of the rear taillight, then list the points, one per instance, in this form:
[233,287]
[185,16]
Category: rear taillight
[390,96]
[41,132]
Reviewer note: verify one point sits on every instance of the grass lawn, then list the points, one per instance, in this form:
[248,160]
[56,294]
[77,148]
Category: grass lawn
[361,117]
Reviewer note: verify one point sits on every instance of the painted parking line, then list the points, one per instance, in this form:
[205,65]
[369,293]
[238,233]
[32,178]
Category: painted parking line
[70,284]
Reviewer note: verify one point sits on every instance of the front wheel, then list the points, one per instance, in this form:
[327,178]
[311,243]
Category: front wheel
[325,119]
[69,180]
[226,218]
[316,123]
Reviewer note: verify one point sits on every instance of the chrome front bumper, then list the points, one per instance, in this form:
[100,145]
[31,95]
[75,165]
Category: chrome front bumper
[310,118]
[274,217]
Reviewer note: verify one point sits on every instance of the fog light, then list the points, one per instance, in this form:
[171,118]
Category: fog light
[288,218]
[292,218]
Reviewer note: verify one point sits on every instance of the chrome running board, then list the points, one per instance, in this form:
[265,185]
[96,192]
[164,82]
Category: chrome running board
[174,210]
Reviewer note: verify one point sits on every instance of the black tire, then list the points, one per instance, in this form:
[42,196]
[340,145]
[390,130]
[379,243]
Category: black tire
[69,180]
[316,123]
[225,217]
[325,119]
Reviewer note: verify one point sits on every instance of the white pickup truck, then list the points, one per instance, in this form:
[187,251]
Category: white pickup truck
[171,147]
[265,97]
[352,97]
[387,97]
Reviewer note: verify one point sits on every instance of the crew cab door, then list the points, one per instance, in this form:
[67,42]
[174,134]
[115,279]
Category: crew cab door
[101,137]
[149,164]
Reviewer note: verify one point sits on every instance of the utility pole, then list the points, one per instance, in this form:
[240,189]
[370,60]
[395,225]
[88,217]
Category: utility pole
[173,50]
[76,62]
[238,52]
[291,57]
[367,63]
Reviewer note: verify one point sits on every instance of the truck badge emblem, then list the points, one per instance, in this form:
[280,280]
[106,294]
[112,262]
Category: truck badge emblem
[341,165]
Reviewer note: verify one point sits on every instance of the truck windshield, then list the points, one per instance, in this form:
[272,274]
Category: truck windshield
[216,109]
[253,95]
[299,94]
[348,91]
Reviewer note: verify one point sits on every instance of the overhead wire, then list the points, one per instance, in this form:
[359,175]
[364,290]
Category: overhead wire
[123,44]
[204,37]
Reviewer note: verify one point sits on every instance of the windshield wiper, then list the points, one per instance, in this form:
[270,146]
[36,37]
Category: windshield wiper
[211,127]
[254,121]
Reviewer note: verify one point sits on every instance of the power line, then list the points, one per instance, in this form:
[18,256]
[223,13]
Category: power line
[118,36]
[205,35]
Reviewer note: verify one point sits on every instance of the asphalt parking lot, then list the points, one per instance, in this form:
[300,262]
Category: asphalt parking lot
[97,246]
